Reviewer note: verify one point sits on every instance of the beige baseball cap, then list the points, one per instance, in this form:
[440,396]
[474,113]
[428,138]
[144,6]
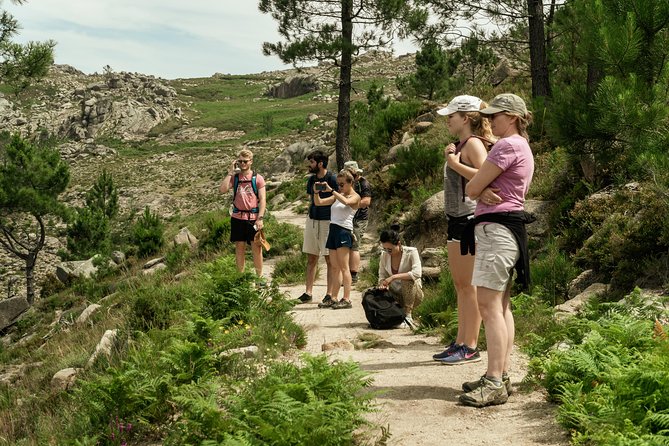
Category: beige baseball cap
[506,102]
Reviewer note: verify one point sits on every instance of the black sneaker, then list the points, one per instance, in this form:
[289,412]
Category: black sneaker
[342,304]
[446,353]
[304,298]
[327,302]
[354,278]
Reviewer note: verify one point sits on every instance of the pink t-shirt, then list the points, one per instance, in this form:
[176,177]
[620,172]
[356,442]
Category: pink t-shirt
[246,199]
[514,156]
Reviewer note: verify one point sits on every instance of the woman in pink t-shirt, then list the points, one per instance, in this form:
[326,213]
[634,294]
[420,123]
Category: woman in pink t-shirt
[500,186]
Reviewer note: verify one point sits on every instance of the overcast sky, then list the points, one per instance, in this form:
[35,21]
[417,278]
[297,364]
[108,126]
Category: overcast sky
[167,38]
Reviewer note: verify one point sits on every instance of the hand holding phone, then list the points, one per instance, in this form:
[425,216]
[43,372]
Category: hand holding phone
[320,186]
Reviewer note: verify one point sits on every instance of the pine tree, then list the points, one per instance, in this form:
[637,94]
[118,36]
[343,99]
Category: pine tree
[327,30]
[21,64]
[31,178]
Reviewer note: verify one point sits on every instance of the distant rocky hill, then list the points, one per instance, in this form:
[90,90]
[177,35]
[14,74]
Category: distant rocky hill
[86,112]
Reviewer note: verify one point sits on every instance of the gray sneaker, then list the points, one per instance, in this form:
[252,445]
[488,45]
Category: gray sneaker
[472,385]
[486,394]
[327,302]
[342,304]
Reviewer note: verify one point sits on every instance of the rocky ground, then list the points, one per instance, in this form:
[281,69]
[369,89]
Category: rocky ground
[418,397]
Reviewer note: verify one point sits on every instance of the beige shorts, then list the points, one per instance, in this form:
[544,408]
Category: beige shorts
[359,228]
[315,236]
[496,254]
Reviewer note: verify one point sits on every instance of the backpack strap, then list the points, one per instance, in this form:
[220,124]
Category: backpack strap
[486,143]
[254,186]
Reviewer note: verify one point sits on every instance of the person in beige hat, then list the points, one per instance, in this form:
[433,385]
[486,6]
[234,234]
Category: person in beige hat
[498,239]
[361,218]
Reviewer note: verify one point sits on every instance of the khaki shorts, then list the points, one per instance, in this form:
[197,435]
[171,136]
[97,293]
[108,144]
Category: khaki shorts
[496,254]
[315,236]
[359,228]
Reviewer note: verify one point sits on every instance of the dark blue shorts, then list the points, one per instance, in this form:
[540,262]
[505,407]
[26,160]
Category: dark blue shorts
[338,237]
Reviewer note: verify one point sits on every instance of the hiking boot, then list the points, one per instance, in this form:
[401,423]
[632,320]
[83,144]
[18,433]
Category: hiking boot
[342,304]
[462,355]
[488,393]
[304,298]
[327,302]
[446,353]
[472,385]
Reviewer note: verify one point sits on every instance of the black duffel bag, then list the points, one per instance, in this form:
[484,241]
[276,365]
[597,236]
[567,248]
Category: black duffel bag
[381,309]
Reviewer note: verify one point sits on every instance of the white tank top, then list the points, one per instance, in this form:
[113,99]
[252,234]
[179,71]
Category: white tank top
[342,215]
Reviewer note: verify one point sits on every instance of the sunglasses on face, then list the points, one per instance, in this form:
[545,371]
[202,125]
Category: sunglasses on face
[388,250]
[243,161]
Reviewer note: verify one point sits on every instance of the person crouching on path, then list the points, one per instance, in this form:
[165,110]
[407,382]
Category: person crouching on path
[498,238]
[248,211]
[362,188]
[317,225]
[462,162]
[343,203]
[400,272]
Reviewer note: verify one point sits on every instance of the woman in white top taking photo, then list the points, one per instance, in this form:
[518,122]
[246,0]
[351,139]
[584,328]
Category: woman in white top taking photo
[343,203]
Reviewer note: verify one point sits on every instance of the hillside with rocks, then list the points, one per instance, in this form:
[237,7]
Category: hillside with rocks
[145,131]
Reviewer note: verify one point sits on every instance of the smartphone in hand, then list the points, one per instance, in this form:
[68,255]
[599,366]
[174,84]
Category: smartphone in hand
[320,187]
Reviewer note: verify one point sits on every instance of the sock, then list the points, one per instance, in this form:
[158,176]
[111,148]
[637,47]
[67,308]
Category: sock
[496,381]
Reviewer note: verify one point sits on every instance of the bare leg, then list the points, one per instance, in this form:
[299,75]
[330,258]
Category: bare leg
[497,337]
[312,264]
[240,255]
[332,276]
[334,269]
[510,326]
[342,255]
[256,249]
[355,261]
[469,318]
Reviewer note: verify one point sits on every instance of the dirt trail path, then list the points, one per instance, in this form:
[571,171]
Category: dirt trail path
[419,399]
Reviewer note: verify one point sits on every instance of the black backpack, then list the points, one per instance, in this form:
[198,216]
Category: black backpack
[381,309]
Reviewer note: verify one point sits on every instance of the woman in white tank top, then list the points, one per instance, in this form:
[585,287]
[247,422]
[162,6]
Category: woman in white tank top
[343,203]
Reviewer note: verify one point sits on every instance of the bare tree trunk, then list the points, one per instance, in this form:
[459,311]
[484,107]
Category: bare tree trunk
[25,252]
[342,144]
[538,59]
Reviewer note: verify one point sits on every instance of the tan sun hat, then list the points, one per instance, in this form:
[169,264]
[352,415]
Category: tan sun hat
[352,165]
[506,102]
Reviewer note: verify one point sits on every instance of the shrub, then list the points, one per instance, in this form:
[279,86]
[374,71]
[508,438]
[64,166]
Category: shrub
[147,233]
[387,122]
[419,162]
[217,233]
[291,269]
[439,307]
[89,234]
[552,271]
[283,237]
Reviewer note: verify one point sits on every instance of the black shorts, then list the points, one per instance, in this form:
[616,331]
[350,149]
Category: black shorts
[456,225]
[338,237]
[242,230]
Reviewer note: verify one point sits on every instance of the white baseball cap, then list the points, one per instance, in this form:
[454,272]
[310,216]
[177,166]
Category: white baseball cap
[464,103]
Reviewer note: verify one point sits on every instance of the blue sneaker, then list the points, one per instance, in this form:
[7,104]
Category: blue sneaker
[446,353]
[462,355]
